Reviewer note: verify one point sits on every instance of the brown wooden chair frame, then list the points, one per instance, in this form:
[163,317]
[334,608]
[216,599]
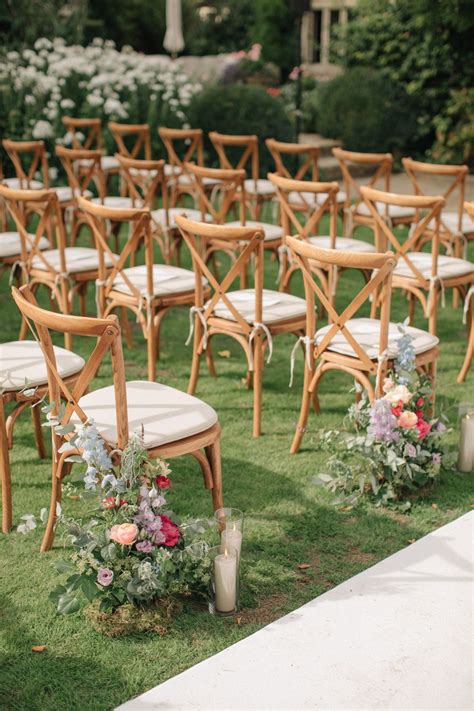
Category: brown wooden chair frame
[204,446]
[469,316]
[194,152]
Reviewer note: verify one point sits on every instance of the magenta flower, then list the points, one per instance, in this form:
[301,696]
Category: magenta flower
[105,576]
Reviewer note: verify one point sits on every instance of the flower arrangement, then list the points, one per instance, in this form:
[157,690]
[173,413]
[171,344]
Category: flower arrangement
[130,550]
[41,84]
[394,444]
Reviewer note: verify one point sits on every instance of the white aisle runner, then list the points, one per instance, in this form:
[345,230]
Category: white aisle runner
[397,636]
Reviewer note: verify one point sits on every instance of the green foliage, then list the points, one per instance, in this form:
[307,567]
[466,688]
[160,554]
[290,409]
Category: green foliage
[424,48]
[366,111]
[241,109]
[276,29]
[23,21]
[138,23]
[224,29]
[455,129]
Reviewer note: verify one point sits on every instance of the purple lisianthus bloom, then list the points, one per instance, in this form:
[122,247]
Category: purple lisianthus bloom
[382,422]
[144,546]
[436,459]
[105,576]
[410,450]
[440,427]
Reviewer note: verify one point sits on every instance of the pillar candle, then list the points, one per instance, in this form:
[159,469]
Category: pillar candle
[225,573]
[232,537]
[466,444]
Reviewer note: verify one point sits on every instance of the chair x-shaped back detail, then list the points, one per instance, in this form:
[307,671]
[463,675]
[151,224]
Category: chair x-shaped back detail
[28,158]
[90,128]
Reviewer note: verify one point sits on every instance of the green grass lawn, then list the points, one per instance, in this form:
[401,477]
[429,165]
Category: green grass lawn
[288,520]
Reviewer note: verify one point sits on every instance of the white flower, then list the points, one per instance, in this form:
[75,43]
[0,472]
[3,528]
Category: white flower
[42,129]
[399,393]
[67,103]
[30,100]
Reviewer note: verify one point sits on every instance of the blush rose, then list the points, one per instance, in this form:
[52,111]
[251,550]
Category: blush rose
[408,420]
[124,533]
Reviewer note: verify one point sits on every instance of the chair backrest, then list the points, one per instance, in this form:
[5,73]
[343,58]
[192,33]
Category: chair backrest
[237,151]
[250,241]
[83,169]
[302,215]
[133,139]
[50,224]
[416,171]
[380,163]
[85,133]
[428,210]
[302,156]
[143,179]
[28,157]
[229,186]
[183,145]
[105,332]
[469,207]
[98,216]
[381,265]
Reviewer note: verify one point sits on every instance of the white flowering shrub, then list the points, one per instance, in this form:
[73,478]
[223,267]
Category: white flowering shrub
[38,86]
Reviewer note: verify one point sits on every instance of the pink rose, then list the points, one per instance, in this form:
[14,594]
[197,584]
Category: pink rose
[170,531]
[124,533]
[163,482]
[255,52]
[423,428]
[407,420]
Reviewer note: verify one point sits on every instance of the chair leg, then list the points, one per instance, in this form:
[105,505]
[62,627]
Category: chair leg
[257,384]
[5,473]
[216,468]
[196,356]
[210,360]
[38,430]
[469,354]
[56,487]
[151,348]
[125,325]
[304,412]
[411,308]
[82,299]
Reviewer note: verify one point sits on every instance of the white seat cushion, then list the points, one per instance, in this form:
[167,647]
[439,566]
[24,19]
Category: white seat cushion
[10,243]
[123,203]
[394,211]
[451,221]
[171,170]
[22,362]
[259,187]
[276,306]
[159,216]
[78,259]
[66,194]
[448,267]
[16,184]
[311,198]
[166,280]
[106,162]
[271,232]
[185,179]
[347,243]
[366,332]
[143,173]
[164,413]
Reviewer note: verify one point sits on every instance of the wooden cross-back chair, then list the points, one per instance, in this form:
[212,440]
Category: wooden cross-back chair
[133,139]
[230,188]
[468,314]
[252,317]
[356,213]
[241,152]
[182,146]
[170,422]
[86,134]
[455,226]
[299,161]
[302,206]
[424,275]
[64,271]
[148,290]
[361,347]
[23,384]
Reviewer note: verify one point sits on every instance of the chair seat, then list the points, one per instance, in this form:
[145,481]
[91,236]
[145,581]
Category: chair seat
[118,202]
[394,211]
[171,170]
[259,187]
[310,198]
[271,232]
[106,163]
[167,280]
[164,414]
[351,245]
[276,306]
[366,332]
[78,259]
[22,363]
[448,267]
[159,216]
[143,173]
[66,194]
[451,219]
[10,243]
[17,184]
